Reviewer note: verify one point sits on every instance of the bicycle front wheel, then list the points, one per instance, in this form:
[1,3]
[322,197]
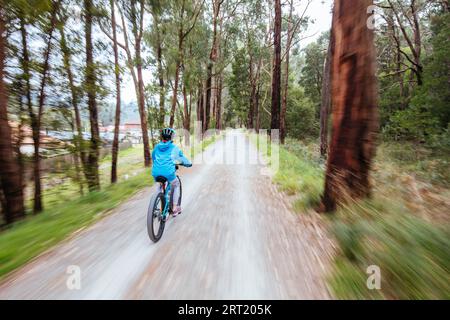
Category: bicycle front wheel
[155,219]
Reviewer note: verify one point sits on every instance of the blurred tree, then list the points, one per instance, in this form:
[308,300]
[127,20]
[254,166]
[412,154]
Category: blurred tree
[10,176]
[276,68]
[92,177]
[354,105]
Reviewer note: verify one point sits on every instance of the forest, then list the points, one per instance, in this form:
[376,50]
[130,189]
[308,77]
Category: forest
[363,113]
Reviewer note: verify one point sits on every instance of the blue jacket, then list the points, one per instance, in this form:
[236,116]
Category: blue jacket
[165,156]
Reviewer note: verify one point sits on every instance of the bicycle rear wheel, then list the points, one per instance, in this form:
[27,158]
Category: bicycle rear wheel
[155,221]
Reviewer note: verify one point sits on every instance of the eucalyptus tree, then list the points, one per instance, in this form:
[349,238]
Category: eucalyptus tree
[293,31]
[92,177]
[132,16]
[10,173]
[185,14]
[276,68]
[67,48]
[46,23]
[156,39]
[355,109]
[115,146]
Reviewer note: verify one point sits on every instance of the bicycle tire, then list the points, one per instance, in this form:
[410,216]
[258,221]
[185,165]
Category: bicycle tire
[151,215]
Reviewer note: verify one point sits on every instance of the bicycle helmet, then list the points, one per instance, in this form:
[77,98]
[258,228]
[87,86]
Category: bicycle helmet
[167,134]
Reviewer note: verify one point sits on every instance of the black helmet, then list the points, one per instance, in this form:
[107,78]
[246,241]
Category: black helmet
[167,133]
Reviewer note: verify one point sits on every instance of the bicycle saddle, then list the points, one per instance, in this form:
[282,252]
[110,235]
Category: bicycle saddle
[161,179]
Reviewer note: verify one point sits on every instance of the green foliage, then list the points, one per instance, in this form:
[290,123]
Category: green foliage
[301,120]
[434,96]
[239,88]
[312,71]
[414,123]
[425,115]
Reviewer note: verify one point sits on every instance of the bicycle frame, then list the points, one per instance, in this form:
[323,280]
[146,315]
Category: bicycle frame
[166,188]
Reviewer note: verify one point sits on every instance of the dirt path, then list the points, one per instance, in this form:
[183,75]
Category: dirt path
[235,239]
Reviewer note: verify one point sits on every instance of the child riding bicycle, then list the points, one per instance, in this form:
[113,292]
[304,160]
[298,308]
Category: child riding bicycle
[166,155]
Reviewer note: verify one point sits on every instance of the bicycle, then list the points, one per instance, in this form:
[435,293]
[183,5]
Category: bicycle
[160,207]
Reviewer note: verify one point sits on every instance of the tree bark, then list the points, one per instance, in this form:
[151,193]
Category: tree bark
[200,103]
[219,103]
[175,87]
[36,119]
[212,60]
[207,106]
[10,173]
[286,76]
[133,62]
[80,155]
[162,91]
[177,67]
[142,110]
[92,176]
[355,110]
[115,145]
[182,34]
[276,71]
[257,113]
[186,113]
[138,32]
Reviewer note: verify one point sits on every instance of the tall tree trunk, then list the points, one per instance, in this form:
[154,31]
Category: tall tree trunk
[179,61]
[10,175]
[207,106]
[115,145]
[286,76]
[251,110]
[326,101]
[355,110]
[136,61]
[257,113]
[36,119]
[162,91]
[199,101]
[175,93]
[212,59]
[142,110]
[138,32]
[186,113]
[415,45]
[25,66]
[276,71]
[219,103]
[92,176]
[200,104]
[80,155]
[417,42]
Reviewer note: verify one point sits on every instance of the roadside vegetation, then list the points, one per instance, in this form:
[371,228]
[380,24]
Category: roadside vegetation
[402,228]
